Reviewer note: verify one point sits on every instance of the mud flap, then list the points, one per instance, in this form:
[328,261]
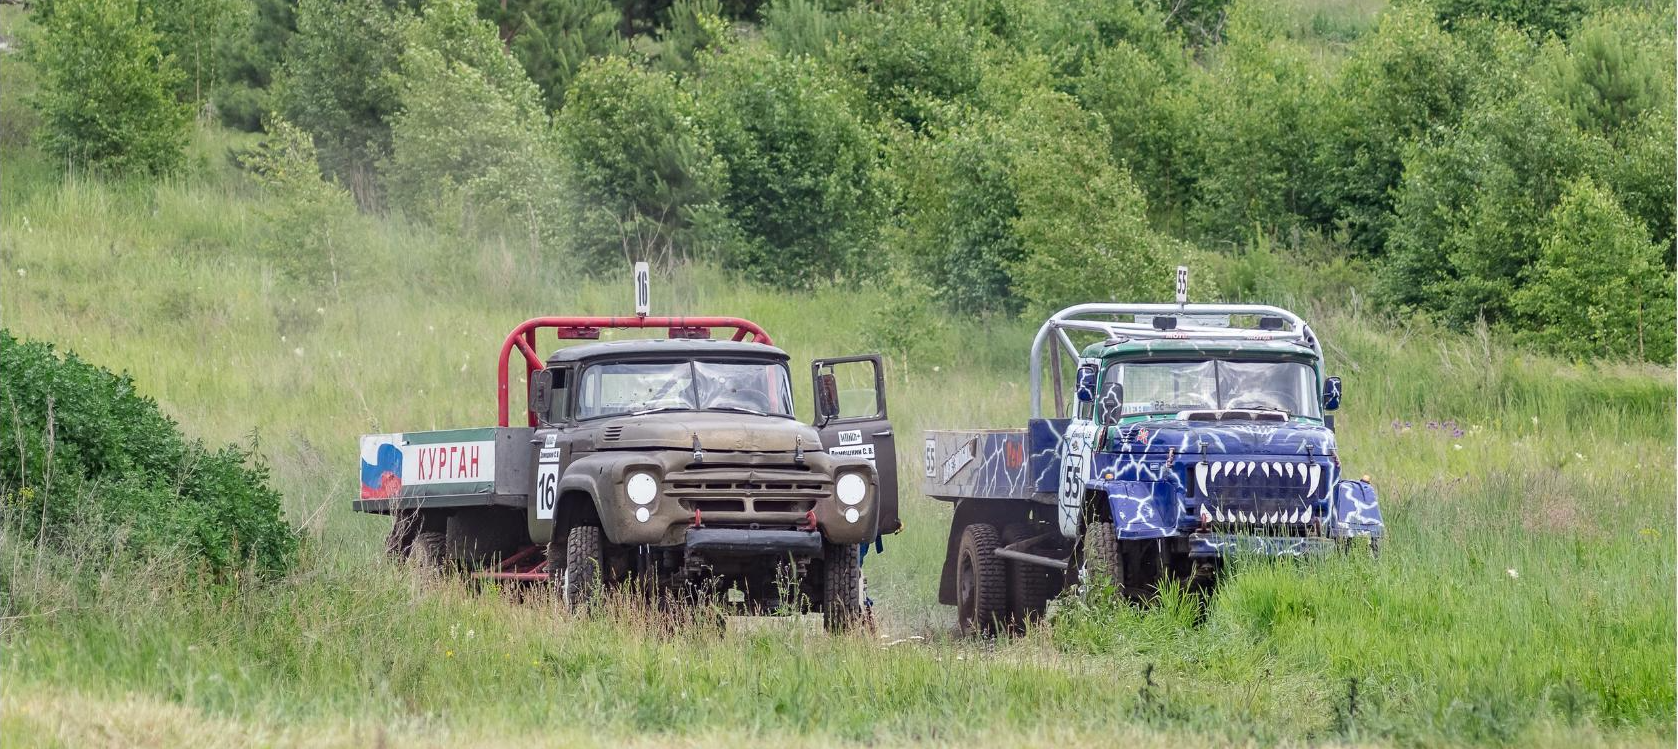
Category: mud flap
[1141,509]
[1355,511]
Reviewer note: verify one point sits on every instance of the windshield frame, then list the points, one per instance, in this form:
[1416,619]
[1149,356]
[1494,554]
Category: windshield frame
[579,388]
[1310,364]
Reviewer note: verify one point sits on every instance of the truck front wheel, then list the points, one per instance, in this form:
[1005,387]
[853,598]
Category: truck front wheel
[841,587]
[981,582]
[1102,567]
[585,560]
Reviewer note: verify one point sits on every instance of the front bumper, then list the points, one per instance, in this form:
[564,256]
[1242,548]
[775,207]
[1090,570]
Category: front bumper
[1216,545]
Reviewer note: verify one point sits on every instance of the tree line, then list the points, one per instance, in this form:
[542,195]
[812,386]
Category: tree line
[1501,161]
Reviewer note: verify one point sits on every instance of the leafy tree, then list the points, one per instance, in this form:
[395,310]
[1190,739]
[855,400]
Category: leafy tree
[189,31]
[912,58]
[471,136]
[1599,287]
[250,57]
[106,89]
[554,38]
[1140,100]
[1082,222]
[801,162]
[642,180]
[1615,67]
[1536,17]
[339,85]
[1257,131]
[1024,211]
[1407,81]
[1469,207]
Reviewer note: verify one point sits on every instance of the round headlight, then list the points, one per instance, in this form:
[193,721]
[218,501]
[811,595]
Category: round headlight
[851,488]
[641,488]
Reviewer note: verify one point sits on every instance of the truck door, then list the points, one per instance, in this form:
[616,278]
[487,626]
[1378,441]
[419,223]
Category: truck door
[861,427]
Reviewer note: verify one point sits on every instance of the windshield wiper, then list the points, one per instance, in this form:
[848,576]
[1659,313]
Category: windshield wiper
[646,411]
[741,409]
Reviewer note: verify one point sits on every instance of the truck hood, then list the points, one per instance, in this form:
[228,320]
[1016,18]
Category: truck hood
[1224,437]
[721,432]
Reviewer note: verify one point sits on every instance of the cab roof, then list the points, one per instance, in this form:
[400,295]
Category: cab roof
[671,347]
[1168,348]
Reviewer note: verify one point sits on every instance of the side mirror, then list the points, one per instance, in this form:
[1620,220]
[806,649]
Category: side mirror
[1331,394]
[1086,384]
[1111,406]
[827,395]
[541,393]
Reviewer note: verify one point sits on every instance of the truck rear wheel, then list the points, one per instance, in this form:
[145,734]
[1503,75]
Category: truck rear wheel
[1102,566]
[1030,586]
[429,550]
[981,582]
[841,587]
[585,560]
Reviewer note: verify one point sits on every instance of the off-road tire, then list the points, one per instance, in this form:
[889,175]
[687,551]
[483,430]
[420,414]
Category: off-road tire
[429,550]
[585,560]
[981,583]
[842,608]
[1101,564]
[1030,586]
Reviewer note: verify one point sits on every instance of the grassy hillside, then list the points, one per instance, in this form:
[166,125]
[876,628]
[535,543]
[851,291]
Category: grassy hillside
[1525,595]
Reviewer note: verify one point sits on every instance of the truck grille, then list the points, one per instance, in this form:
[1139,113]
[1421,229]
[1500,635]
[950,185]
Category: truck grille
[746,493]
[1246,481]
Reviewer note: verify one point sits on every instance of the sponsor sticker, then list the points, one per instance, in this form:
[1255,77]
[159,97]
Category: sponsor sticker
[959,460]
[850,437]
[861,451]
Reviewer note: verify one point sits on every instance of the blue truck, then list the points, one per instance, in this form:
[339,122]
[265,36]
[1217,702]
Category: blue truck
[1192,432]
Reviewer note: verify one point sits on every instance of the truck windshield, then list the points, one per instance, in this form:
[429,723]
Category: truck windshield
[641,387]
[1155,387]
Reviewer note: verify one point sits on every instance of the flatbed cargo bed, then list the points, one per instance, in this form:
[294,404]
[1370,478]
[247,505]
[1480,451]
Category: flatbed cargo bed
[1017,464]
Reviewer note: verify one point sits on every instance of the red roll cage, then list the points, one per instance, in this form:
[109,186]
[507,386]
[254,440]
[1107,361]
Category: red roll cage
[523,338]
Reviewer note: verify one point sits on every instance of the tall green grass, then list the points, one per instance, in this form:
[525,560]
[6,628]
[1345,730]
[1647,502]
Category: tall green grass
[1525,594]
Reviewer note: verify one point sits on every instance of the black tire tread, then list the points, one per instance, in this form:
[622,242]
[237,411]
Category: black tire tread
[842,608]
[990,610]
[584,562]
[1029,586]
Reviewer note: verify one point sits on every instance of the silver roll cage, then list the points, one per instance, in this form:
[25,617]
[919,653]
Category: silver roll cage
[1079,317]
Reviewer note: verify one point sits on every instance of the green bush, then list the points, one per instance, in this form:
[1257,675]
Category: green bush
[339,85]
[106,93]
[471,144]
[306,217]
[88,457]
[801,162]
[642,180]
[1599,288]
